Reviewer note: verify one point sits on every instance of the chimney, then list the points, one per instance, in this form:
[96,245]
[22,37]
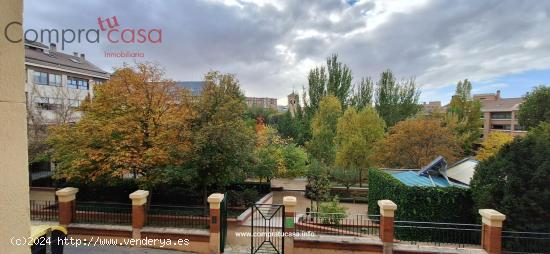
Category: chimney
[53,47]
[498,94]
[82,57]
[75,54]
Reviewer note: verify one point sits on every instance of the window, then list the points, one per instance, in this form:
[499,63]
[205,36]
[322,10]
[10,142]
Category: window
[501,127]
[45,103]
[40,78]
[501,115]
[72,83]
[77,83]
[74,103]
[54,79]
[518,127]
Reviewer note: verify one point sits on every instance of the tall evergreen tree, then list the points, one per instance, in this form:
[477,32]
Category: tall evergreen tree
[396,101]
[333,80]
[464,116]
[362,94]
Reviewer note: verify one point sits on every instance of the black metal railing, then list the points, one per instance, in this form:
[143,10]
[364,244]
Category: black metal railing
[223,222]
[177,216]
[44,210]
[438,234]
[525,242]
[339,224]
[103,213]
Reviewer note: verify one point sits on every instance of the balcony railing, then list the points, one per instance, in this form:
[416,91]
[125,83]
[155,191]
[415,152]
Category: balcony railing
[44,210]
[525,242]
[339,224]
[103,213]
[438,234]
[177,216]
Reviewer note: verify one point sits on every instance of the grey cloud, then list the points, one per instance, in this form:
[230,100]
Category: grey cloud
[439,43]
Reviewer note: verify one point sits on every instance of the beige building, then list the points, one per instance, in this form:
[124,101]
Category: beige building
[263,102]
[500,114]
[260,102]
[431,107]
[14,187]
[56,83]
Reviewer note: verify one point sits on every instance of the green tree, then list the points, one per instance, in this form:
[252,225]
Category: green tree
[295,159]
[323,129]
[464,116]
[222,142]
[394,100]
[515,181]
[356,137]
[270,162]
[362,94]
[318,183]
[333,80]
[296,128]
[535,107]
[345,177]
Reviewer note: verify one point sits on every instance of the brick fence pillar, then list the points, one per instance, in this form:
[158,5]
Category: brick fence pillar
[214,201]
[387,212]
[491,231]
[139,213]
[289,203]
[66,201]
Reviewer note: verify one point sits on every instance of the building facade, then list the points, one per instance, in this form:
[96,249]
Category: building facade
[259,102]
[431,107]
[56,83]
[500,114]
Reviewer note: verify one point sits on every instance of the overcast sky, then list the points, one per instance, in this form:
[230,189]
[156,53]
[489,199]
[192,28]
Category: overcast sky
[271,45]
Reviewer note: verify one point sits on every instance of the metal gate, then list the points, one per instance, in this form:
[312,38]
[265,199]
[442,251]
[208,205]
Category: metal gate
[267,229]
[223,222]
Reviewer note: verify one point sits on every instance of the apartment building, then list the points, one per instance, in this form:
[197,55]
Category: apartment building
[431,107]
[500,114]
[261,102]
[56,83]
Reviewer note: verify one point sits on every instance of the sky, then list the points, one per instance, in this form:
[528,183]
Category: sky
[271,45]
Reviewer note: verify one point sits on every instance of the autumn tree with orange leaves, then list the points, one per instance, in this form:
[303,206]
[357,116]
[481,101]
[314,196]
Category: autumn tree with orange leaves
[414,143]
[137,122]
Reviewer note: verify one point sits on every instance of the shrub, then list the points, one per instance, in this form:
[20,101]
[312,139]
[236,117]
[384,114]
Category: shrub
[332,212]
[432,204]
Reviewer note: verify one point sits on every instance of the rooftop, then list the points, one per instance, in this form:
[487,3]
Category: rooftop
[502,104]
[411,178]
[37,53]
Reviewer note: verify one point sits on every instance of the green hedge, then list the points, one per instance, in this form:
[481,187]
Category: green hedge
[431,204]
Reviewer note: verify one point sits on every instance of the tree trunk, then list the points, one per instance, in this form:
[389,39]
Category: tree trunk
[205,199]
[360,177]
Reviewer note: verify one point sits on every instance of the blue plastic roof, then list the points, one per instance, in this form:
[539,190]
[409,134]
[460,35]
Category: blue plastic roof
[411,178]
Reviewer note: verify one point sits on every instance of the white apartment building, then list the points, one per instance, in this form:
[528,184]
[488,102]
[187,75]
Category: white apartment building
[56,83]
